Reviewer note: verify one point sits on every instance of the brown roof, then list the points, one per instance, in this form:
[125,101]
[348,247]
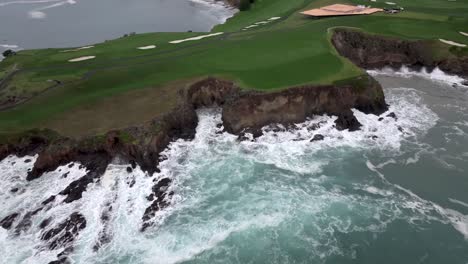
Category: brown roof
[341,10]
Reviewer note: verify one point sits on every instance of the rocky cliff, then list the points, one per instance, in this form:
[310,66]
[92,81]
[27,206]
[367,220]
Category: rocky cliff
[243,111]
[372,51]
[251,111]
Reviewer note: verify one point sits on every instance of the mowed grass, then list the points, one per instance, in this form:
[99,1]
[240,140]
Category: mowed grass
[292,51]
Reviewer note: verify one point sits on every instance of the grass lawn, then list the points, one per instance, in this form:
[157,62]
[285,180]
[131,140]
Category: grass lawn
[291,51]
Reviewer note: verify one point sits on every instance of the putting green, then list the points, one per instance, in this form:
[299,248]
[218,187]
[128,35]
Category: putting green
[289,51]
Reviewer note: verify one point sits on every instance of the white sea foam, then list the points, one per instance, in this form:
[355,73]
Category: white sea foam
[8,46]
[436,75]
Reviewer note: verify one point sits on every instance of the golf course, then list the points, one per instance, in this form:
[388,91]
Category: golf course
[127,81]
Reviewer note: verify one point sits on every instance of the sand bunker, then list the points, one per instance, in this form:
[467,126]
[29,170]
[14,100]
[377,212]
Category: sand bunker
[196,38]
[464,33]
[390,3]
[147,47]
[82,58]
[453,43]
[274,18]
[78,49]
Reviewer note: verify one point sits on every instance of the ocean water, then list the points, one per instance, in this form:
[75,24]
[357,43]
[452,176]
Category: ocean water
[394,192]
[33,24]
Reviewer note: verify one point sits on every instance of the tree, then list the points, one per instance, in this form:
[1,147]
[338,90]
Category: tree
[8,53]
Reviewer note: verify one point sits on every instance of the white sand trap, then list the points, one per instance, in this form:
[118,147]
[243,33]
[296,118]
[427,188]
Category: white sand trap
[390,3]
[373,0]
[196,38]
[274,18]
[262,22]
[251,26]
[453,43]
[464,33]
[82,58]
[147,47]
[77,49]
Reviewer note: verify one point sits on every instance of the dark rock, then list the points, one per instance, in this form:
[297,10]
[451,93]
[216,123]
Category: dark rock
[347,120]
[45,223]
[381,118]
[160,197]
[64,233]
[129,169]
[26,221]
[133,164]
[317,137]
[392,115]
[27,160]
[65,175]
[14,190]
[7,222]
[71,165]
[48,200]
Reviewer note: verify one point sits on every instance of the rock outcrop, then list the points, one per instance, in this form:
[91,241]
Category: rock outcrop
[375,52]
[251,111]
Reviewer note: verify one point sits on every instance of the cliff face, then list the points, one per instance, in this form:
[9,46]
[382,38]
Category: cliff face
[253,110]
[371,52]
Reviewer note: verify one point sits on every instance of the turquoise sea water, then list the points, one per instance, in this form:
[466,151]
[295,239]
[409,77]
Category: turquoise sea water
[394,192]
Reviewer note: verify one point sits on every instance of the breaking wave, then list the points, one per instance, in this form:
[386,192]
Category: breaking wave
[436,75]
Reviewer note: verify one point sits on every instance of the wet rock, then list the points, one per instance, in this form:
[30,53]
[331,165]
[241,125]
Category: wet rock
[129,169]
[347,120]
[65,175]
[75,190]
[27,160]
[381,118]
[392,115]
[160,197]
[26,221]
[71,165]
[105,236]
[14,190]
[64,233]
[133,164]
[317,137]
[48,200]
[45,223]
[7,222]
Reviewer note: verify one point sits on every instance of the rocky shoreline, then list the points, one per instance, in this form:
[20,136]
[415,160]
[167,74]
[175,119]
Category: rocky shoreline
[375,52]
[242,112]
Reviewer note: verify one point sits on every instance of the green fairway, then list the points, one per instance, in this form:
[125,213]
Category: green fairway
[286,52]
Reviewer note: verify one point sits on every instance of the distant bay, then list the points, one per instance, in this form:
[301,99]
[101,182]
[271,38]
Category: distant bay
[35,24]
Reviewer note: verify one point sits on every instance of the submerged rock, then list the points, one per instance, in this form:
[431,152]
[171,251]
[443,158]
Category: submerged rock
[64,233]
[7,222]
[317,137]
